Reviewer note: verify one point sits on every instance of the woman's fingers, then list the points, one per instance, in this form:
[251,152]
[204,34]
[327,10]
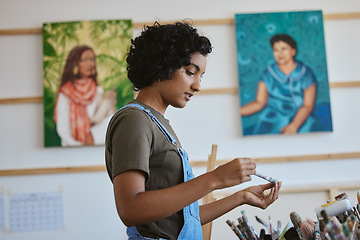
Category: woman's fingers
[235,172]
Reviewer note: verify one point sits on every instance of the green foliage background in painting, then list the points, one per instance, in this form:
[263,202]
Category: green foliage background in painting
[110,40]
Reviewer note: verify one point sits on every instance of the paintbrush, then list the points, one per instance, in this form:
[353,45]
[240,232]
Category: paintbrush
[273,232]
[307,229]
[262,222]
[262,234]
[248,228]
[287,227]
[278,226]
[296,221]
[235,229]
[270,179]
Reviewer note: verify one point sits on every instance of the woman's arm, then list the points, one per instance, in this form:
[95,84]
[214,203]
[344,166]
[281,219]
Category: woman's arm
[136,206]
[260,102]
[253,196]
[303,112]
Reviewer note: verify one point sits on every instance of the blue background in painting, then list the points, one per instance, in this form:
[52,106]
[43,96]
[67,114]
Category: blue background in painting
[254,54]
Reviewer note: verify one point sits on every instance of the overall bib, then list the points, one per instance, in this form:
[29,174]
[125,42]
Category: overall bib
[191,229]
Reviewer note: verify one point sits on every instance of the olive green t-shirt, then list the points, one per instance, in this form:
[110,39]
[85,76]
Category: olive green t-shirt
[135,142]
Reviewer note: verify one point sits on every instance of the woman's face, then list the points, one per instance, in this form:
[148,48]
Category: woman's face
[184,83]
[283,52]
[87,63]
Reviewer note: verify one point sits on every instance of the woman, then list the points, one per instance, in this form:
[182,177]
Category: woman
[80,115]
[286,93]
[155,191]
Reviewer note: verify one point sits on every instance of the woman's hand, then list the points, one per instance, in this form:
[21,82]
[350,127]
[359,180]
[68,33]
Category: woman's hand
[89,140]
[255,196]
[234,172]
[289,129]
[303,112]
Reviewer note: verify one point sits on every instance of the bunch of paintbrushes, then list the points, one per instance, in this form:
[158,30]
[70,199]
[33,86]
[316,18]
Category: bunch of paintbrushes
[327,228]
[332,228]
[337,220]
[245,231]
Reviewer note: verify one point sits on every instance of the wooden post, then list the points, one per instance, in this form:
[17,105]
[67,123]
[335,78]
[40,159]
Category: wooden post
[209,197]
[333,192]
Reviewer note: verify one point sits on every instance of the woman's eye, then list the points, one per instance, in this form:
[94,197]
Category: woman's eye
[190,73]
[87,60]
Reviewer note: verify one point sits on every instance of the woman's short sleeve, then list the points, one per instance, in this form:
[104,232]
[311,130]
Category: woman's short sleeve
[308,78]
[128,142]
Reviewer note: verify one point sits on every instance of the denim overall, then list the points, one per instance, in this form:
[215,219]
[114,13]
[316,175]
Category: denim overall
[191,229]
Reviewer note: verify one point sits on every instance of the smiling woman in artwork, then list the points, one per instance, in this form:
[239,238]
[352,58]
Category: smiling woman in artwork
[82,110]
[286,93]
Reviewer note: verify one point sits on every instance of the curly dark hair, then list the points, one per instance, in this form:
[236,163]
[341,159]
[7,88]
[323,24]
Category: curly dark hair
[285,38]
[72,61]
[160,50]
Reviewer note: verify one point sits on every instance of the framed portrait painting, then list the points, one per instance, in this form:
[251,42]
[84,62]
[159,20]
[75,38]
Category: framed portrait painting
[282,73]
[84,79]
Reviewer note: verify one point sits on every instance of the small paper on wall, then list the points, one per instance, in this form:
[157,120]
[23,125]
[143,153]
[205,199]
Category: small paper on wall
[36,212]
[2,211]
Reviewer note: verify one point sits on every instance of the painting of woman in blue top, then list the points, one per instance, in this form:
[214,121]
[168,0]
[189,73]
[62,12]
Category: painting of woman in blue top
[286,93]
[291,95]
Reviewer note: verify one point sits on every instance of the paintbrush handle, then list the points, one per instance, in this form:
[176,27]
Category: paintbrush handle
[270,179]
[235,229]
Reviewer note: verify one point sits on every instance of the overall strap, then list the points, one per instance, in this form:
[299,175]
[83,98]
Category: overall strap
[192,226]
[168,136]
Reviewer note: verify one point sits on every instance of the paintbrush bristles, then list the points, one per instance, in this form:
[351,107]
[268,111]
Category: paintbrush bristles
[262,222]
[295,219]
[307,229]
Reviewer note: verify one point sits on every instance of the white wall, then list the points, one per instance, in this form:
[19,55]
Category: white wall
[89,210]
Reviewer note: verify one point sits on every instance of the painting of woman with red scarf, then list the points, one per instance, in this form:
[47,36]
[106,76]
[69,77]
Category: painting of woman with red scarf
[82,109]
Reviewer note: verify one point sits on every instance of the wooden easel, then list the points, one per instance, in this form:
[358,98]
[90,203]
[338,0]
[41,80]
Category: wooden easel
[209,197]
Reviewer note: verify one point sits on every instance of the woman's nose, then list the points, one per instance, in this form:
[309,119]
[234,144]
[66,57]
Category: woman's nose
[196,85]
